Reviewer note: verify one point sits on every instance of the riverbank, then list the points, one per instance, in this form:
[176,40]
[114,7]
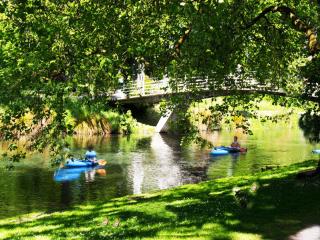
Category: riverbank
[270,205]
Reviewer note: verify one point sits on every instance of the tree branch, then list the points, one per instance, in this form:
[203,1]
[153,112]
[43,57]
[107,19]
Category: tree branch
[298,24]
[181,40]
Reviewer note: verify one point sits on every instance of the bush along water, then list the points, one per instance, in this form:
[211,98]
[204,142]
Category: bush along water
[88,122]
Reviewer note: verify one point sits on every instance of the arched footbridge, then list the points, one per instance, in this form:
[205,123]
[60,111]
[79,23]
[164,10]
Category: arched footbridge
[154,90]
[151,91]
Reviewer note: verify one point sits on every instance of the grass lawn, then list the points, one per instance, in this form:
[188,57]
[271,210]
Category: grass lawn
[268,205]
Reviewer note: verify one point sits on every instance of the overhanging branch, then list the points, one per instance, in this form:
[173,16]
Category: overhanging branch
[298,24]
[181,40]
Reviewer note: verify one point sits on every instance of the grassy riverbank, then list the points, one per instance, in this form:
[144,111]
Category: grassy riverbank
[269,205]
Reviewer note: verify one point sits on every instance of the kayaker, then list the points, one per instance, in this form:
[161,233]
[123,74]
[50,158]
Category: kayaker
[235,143]
[91,155]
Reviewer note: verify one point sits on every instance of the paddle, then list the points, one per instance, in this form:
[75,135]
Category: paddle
[243,149]
[102,162]
[101,172]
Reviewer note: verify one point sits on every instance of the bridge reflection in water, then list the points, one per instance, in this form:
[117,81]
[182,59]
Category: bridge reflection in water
[169,172]
[158,170]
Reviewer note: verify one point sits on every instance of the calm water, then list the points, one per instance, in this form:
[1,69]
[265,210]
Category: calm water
[142,164]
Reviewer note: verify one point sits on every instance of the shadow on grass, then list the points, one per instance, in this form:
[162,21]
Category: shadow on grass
[280,207]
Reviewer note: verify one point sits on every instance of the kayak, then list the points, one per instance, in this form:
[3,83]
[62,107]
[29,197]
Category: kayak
[222,150]
[317,151]
[70,174]
[218,152]
[75,163]
[232,149]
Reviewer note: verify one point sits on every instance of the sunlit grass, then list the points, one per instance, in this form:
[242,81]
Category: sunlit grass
[276,205]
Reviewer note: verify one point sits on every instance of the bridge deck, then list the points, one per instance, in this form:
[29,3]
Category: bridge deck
[153,91]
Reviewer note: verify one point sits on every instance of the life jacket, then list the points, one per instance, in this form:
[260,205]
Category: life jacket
[90,154]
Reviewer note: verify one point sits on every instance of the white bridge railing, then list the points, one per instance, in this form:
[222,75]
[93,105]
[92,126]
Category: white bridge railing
[150,86]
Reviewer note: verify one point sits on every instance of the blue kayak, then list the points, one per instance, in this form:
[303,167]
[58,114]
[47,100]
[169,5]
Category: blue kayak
[317,151]
[75,163]
[70,174]
[222,150]
[218,152]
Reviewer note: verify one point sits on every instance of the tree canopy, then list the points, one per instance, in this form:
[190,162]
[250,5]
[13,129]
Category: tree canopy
[56,54]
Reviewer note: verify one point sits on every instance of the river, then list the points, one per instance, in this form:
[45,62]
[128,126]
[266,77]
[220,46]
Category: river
[138,164]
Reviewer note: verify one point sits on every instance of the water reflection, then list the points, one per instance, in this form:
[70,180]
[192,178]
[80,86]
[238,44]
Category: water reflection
[72,174]
[229,161]
[168,172]
[137,173]
[157,169]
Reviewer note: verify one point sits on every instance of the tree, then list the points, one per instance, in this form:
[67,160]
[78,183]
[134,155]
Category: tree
[59,53]
[55,53]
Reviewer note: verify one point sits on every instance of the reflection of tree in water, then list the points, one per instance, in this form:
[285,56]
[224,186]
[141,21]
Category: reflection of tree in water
[309,122]
[144,143]
[194,171]
[84,141]
[65,196]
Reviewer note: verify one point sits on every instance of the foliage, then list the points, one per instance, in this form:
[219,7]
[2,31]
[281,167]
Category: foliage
[237,113]
[57,52]
[309,123]
[93,121]
[120,123]
[244,207]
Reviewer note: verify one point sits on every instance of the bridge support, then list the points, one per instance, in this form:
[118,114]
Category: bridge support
[163,124]
[171,120]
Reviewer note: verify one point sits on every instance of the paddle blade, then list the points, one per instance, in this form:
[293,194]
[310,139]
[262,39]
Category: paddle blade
[101,172]
[243,149]
[102,162]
